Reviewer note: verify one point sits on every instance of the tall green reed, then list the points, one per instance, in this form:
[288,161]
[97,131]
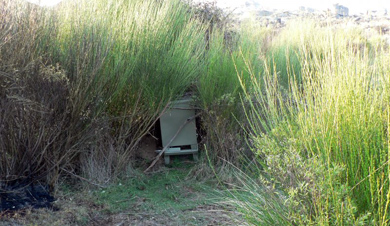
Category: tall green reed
[135,56]
[336,117]
[219,87]
[124,61]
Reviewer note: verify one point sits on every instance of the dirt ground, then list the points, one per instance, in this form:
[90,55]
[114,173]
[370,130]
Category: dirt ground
[168,197]
[83,215]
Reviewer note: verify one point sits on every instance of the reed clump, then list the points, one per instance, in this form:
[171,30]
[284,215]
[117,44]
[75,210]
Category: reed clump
[123,62]
[323,142]
[81,84]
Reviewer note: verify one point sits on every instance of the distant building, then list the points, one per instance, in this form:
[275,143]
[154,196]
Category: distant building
[340,11]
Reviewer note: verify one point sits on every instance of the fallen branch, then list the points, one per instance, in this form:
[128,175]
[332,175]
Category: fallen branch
[169,143]
[84,179]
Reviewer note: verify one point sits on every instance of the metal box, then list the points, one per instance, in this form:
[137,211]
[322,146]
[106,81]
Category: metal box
[186,141]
